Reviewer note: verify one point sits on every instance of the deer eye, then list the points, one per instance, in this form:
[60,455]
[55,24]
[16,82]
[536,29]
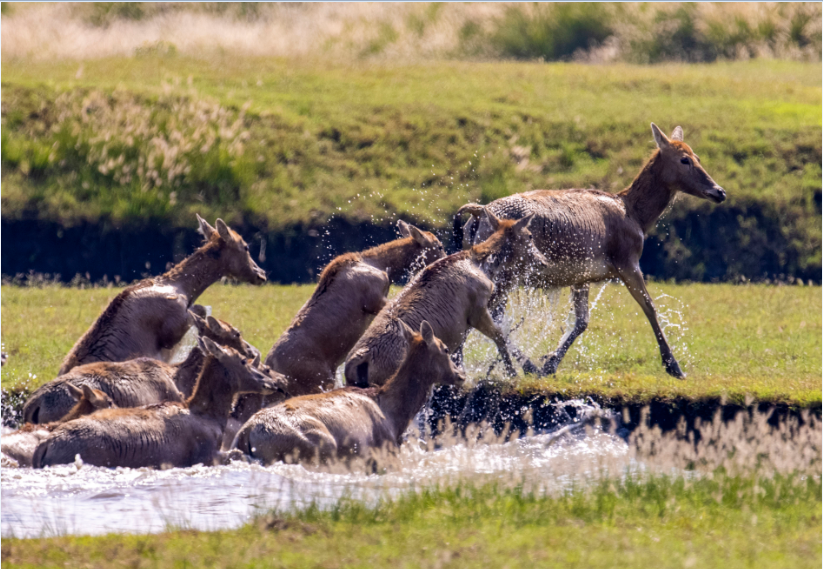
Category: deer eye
[685,161]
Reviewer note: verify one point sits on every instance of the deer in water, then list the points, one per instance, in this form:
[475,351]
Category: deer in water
[352,421]
[452,294]
[590,235]
[141,381]
[351,291]
[148,318]
[174,434]
[20,445]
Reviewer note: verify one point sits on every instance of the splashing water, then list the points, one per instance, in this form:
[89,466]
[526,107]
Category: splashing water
[90,500]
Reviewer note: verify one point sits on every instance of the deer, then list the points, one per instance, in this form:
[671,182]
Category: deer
[137,382]
[590,235]
[21,444]
[452,294]
[351,292]
[148,319]
[169,434]
[352,421]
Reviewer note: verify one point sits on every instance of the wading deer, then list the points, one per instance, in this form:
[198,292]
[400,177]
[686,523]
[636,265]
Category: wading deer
[452,294]
[137,382]
[175,434]
[148,318]
[351,291]
[589,235]
[352,421]
[21,444]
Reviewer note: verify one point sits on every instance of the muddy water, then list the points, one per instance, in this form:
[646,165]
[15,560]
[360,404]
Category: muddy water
[80,499]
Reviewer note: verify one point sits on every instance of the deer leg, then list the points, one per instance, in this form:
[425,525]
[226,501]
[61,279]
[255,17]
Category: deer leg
[497,303]
[633,279]
[484,324]
[580,298]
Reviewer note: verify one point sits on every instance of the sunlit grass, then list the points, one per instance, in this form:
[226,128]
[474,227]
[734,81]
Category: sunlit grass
[732,340]
[725,522]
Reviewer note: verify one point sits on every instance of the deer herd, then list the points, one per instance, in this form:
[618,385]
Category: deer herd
[118,402]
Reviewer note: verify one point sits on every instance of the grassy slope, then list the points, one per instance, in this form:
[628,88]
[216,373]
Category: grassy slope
[356,140]
[756,339]
[659,523]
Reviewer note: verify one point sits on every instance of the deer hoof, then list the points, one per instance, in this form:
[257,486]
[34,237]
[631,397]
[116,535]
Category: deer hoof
[530,368]
[673,369]
[550,364]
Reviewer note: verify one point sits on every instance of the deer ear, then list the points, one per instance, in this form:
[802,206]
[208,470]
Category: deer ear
[492,219]
[210,347]
[197,320]
[403,227]
[256,362]
[659,138]
[213,324]
[206,229]
[677,134]
[427,332]
[96,397]
[417,235]
[523,223]
[408,333]
[75,392]
[224,231]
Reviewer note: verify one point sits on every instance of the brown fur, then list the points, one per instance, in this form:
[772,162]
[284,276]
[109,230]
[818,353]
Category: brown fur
[147,319]
[351,421]
[452,295]
[351,291]
[589,235]
[21,444]
[175,434]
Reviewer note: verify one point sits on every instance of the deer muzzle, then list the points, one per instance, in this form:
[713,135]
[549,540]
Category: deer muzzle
[717,194]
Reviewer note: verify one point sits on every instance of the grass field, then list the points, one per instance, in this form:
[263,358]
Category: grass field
[662,522]
[283,146]
[734,340]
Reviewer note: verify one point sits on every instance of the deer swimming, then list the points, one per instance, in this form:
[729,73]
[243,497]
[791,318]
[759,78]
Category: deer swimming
[452,294]
[352,421]
[351,291]
[20,445]
[174,434]
[150,317]
[590,235]
[137,382]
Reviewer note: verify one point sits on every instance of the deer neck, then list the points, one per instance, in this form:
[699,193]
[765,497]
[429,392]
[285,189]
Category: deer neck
[394,257]
[186,372]
[196,273]
[403,396]
[648,197]
[83,407]
[212,397]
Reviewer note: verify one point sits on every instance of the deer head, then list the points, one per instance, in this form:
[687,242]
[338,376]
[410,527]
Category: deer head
[233,252]
[681,167]
[221,332]
[510,247]
[430,246]
[245,373]
[426,347]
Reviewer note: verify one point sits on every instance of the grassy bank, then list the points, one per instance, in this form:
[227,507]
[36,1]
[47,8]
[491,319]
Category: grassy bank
[662,522]
[731,340]
[282,146]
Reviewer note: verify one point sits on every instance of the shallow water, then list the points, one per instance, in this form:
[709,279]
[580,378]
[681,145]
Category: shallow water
[80,499]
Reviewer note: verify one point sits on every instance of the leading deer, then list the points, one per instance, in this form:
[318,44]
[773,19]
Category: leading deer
[590,235]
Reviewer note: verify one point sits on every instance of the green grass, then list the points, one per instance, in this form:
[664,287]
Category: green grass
[760,340]
[660,522]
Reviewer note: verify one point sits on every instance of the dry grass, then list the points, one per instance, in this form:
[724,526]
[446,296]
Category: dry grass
[401,32]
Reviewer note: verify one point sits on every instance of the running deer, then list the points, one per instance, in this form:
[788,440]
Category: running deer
[452,294]
[21,444]
[351,291]
[352,421]
[589,235]
[137,382]
[168,434]
[148,318]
